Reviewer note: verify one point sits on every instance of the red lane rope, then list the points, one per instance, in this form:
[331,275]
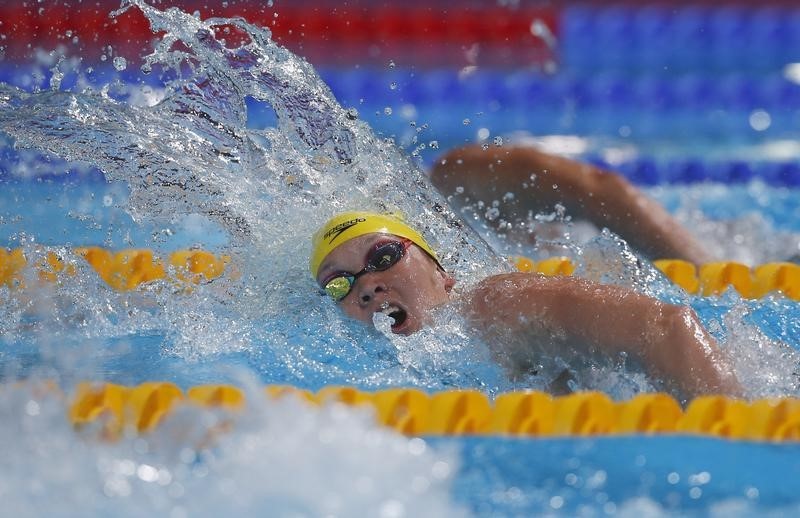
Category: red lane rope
[325,32]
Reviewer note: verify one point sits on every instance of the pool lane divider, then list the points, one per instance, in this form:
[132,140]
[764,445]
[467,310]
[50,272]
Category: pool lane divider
[709,279]
[128,269]
[123,270]
[417,32]
[110,411]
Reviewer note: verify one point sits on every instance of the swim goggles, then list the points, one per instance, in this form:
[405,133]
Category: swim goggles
[381,257]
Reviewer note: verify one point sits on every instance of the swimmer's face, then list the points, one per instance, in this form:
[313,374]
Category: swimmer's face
[406,291]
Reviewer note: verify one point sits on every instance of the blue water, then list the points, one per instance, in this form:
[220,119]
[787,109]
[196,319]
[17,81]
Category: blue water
[629,476]
[732,184]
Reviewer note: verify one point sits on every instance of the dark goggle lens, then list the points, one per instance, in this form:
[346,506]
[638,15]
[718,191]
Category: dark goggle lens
[385,256]
[338,287]
[381,258]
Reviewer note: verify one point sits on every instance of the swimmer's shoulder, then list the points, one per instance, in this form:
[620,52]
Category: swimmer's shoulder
[502,292]
[527,280]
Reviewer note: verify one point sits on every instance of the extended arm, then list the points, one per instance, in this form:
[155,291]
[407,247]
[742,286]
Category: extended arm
[539,181]
[669,340]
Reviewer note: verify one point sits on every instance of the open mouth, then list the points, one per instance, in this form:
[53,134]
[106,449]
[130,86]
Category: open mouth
[397,314]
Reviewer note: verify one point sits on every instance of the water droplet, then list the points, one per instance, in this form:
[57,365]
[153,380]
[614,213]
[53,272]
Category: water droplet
[466,122]
[392,509]
[147,473]
[417,446]
[391,64]
[393,85]
[55,79]
[120,63]
[540,30]
[32,408]
[498,141]
[440,470]
[434,144]
[387,110]
[352,114]
[760,120]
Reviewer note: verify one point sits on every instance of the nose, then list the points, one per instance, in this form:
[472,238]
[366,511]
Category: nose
[368,287]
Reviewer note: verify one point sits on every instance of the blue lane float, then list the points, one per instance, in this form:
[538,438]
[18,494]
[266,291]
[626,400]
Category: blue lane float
[715,38]
[648,90]
[642,170]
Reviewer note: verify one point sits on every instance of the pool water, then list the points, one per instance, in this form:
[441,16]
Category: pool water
[241,150]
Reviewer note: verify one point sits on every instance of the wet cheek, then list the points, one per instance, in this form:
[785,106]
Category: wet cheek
[355,312]
[413,280]
[420,286]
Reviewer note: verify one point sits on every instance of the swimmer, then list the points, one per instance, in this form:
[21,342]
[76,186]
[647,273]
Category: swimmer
[540,181]
[374,263]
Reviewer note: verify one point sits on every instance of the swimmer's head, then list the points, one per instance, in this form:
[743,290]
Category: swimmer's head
[349,225]
[375,263]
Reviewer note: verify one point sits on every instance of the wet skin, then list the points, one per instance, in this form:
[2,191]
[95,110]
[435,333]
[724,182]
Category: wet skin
[407,291]
[541,181]
[539,311]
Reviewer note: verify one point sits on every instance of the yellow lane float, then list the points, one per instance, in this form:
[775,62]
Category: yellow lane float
[113,409]
[128,269]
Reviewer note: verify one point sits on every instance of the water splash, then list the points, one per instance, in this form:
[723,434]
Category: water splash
[280,460]
[187,151]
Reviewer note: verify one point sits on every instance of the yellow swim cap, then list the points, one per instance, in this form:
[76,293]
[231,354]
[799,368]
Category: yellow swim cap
[348,225]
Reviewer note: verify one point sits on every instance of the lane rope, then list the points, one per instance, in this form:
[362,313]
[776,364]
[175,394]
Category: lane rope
[128,269]
[114,409]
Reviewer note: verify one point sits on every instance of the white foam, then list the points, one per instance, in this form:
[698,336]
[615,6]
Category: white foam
[280,458]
